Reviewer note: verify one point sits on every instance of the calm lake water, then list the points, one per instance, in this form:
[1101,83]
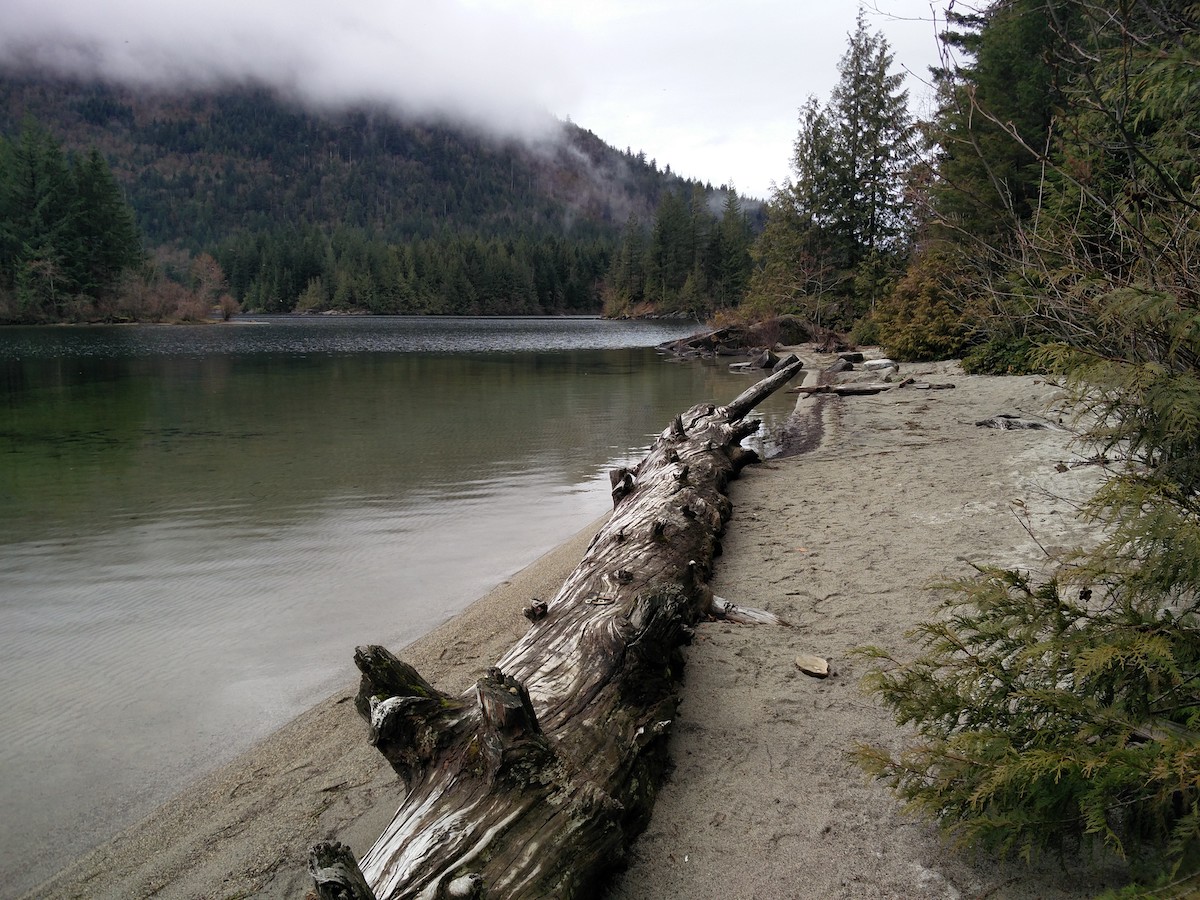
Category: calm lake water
[198,524]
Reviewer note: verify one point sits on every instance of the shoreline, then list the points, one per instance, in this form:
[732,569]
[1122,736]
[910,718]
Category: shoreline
[245,829]
[841,541]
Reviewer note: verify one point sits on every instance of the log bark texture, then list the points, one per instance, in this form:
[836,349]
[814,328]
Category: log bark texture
[534,782]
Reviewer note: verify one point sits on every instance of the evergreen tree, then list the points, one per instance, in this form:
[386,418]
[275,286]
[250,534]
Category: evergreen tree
[729,253]
[1062,709]
[1006,85]
[870,152]
[672,251]
[1000,104]
[625,282]
[842,224]
[36,223]
[110,241]
[66,234]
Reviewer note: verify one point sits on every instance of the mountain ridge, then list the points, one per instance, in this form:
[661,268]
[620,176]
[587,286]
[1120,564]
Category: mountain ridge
[203,166]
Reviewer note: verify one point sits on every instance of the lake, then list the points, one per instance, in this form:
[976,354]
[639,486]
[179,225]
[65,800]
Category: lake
[198,524]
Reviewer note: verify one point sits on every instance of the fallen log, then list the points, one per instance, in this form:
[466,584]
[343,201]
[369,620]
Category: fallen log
[863,389]
[534,782]
[732,340]
[843,390]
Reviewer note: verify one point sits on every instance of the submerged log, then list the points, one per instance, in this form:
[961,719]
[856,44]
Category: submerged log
[534,782]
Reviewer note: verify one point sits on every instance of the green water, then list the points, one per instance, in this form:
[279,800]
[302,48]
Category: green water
[198,525]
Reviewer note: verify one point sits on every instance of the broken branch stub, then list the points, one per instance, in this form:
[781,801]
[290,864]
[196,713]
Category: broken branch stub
[534,782]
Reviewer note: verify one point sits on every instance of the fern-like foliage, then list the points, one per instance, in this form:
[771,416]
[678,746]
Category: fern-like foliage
[1044,721]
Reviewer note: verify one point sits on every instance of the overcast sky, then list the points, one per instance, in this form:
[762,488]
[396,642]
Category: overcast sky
[710,88]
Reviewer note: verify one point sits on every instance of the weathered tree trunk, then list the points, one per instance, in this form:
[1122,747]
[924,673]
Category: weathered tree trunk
[868,388]
[534,782]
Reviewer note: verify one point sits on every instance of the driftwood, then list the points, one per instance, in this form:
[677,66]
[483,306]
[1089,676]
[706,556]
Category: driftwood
[534,782]
[1009,422]
[843,390]
[868,388]
[741,340]
[733,340]
[766,362]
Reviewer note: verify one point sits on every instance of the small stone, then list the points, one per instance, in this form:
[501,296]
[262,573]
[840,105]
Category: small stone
[812,665]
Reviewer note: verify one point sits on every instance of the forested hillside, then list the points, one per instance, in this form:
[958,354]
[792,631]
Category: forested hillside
[199,168]
[352,210]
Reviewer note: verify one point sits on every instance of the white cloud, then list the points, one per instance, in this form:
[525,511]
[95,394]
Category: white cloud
[710,88]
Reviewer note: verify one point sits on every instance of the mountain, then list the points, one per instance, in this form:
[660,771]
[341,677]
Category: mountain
[279,193]
[199,168]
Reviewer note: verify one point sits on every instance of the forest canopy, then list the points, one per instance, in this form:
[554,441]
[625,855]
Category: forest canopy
[359,211]
[66,233]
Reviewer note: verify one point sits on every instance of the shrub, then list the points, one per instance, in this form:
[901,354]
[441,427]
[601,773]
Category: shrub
[925,317]
[1045,721]
[1006,355]
[865,332]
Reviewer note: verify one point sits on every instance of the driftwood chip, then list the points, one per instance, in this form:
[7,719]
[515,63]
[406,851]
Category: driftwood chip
[812,665]
[1009,422]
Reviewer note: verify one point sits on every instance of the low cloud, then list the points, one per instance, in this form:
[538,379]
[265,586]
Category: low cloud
[709,88]
[446,59]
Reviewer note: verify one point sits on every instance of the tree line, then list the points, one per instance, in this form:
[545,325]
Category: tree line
[67,235]
[383,216]
[689,261]
[72,251]
[350,269]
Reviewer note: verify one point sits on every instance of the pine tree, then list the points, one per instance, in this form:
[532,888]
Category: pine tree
[871,150]
[109,239]
[730,253]
[1006,84]
[672,251]
[38,233]
[66,233]
[842,223]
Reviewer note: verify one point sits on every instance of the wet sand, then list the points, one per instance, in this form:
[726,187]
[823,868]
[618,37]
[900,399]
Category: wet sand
[901,489]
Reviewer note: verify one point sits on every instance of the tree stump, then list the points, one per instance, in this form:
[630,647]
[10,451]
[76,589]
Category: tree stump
[534,782]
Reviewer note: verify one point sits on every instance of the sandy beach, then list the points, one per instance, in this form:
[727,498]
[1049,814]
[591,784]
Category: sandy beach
[901,488]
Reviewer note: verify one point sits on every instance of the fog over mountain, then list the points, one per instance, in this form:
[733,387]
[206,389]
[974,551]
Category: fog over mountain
[710,89]
[448,59]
